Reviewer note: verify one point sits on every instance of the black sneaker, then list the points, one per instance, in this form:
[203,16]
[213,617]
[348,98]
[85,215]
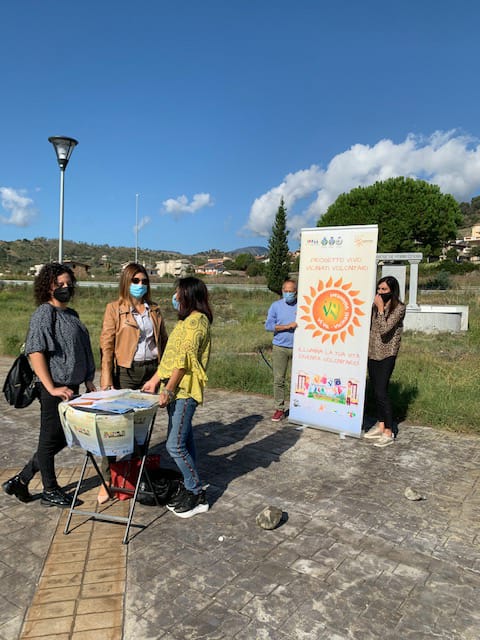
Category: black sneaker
[177,497]
[191,504]
[15,487]
[56,498]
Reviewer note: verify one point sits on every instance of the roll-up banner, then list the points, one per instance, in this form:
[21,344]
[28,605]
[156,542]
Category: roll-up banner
[335,294]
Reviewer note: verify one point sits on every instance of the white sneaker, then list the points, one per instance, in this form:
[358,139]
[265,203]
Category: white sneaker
[374,432]
[384,441]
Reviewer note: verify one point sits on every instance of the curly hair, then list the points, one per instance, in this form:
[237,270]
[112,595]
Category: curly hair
[47,276]
[126,278]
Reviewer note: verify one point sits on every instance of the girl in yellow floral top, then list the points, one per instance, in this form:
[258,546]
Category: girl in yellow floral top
[182,377]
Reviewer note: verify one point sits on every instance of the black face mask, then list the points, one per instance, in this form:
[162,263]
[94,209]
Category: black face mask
[63,294]
[386,297]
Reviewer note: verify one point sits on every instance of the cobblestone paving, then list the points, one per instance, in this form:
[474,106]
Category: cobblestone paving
[353,558]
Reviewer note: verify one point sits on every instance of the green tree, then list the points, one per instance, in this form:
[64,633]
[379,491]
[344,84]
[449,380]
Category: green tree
[278,266]
[470,212]
[412,215]
[452,254]
[255,269]
[242,261]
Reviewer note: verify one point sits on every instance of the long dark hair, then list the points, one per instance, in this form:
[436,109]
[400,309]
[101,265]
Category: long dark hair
[192,296]
[394,287]
[126,279]
[47,276]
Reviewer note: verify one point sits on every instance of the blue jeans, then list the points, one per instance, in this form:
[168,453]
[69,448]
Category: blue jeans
[180,443]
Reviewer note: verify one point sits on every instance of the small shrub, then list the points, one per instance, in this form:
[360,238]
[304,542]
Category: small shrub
[457,268]
[440,281]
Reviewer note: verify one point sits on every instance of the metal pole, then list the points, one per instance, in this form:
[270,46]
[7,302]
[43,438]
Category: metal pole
[136,227]
[60,229]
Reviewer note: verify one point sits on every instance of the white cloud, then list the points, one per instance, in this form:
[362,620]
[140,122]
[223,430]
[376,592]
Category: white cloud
[180,205]
[142,223]
[445,158]
[20,208]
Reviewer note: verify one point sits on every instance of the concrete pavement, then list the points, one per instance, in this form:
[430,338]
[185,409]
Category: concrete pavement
[353,559]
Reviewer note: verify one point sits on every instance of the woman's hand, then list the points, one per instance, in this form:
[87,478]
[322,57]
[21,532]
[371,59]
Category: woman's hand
[151,385]
[89,386]
[65,393]
[378,301]
[163,399]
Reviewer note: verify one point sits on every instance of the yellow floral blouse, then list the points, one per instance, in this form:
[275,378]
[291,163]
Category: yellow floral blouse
[188,348]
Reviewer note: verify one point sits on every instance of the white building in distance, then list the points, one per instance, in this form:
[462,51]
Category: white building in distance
[177,268]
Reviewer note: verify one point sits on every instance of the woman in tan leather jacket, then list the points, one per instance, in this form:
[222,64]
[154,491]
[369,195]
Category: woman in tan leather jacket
[132,340]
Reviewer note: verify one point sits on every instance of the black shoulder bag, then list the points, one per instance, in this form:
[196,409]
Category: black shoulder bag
[19,387]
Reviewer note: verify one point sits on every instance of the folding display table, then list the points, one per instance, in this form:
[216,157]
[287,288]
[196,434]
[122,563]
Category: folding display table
[96,431]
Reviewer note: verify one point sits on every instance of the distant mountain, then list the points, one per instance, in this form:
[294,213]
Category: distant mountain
[17,256]
[254,251]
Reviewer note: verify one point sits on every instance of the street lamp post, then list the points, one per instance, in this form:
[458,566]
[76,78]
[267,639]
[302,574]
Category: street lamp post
[136,227]
[63,148]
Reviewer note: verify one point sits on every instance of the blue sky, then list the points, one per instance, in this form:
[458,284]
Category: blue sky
[212,110]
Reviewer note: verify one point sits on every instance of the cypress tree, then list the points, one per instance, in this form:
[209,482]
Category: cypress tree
[279,263]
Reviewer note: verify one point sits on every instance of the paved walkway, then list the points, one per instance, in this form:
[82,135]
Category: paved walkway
[353,559]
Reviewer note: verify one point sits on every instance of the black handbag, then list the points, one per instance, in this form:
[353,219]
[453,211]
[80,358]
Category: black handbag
[164,483]
[19,388]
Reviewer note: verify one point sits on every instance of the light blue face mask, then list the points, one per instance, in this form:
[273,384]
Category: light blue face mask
[175,303]
[138,290]
[289,296]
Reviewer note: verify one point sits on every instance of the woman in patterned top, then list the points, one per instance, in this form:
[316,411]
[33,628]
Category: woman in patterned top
[385,336]
[61,356]
[182,378]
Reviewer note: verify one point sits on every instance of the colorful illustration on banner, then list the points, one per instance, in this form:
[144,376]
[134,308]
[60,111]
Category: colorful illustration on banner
[332,310]
[332,393]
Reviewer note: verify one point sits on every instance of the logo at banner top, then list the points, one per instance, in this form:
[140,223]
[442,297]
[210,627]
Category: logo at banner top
[332,310]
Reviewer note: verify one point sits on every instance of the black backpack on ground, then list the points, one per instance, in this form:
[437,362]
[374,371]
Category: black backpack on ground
[165,484]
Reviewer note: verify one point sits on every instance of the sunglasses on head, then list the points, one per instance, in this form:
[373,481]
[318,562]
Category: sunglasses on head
[140,280]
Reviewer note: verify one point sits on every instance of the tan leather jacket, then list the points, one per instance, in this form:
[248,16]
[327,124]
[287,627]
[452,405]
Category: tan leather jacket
[119,338]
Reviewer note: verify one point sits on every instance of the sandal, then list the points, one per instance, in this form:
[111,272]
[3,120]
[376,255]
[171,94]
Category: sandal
[103,495]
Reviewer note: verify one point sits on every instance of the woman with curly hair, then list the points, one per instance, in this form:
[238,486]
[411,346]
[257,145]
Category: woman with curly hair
[132,341]
[181,374]
[386,330]
[60,353]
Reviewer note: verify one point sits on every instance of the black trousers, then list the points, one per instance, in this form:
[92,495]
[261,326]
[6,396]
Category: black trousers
[380,372]
[50,441]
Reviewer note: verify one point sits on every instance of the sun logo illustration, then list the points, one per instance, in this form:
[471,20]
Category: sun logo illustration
[332,310]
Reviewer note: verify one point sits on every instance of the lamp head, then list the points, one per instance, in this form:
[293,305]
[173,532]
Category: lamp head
[63,148]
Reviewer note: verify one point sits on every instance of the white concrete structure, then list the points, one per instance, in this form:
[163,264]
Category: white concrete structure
[177,268]
[436,318]
[427,318]
[414,260]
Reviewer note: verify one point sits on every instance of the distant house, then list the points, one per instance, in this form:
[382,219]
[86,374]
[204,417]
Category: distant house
[177,268]
[464,246]
[213,267]
[80,270]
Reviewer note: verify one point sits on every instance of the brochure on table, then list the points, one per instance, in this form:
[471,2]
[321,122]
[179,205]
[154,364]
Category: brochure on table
[108,423]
